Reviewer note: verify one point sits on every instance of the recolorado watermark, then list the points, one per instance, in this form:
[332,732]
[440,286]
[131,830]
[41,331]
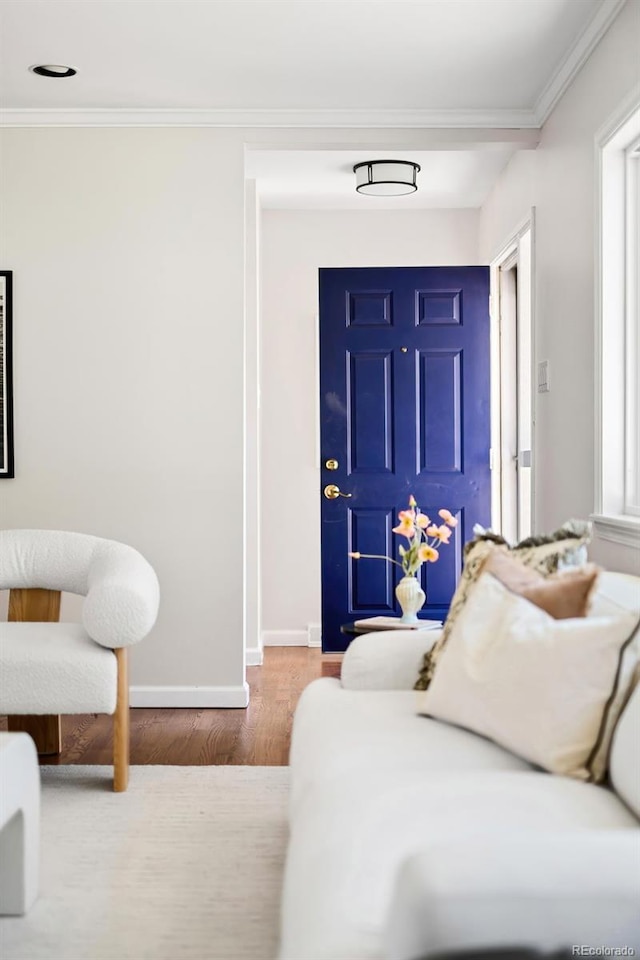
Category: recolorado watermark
[582,950]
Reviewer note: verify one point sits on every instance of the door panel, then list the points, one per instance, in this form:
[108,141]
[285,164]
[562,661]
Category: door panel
[370,532]
[404,380]
[438,307]
[370,409]
[439,411]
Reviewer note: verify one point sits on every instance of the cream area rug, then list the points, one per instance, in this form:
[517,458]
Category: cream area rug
[186,865]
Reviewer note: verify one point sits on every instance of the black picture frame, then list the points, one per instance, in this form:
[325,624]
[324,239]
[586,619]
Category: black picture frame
[6,375]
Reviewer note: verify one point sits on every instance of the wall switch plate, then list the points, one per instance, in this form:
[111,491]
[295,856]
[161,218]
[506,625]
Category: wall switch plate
[543,376]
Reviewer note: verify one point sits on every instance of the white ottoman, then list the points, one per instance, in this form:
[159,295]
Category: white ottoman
[19,823]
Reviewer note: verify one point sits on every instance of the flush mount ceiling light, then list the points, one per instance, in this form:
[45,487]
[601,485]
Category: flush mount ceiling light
[53,70]
[386,178]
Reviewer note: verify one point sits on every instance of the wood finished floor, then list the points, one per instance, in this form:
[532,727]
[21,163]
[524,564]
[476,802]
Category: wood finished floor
[259,735]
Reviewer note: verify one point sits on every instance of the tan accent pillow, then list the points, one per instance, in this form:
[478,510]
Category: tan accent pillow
[535,685]
[561,595]
[545,554]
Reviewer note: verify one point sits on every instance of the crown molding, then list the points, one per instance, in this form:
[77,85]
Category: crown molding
[337,119]
[354,119]
[575,58]
[375,119]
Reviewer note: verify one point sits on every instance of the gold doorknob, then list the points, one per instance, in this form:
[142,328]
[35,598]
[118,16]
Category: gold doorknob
[332,492]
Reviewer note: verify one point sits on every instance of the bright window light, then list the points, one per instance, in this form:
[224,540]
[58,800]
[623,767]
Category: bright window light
[632,478]
[617,480]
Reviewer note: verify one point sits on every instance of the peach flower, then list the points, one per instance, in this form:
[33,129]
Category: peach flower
[428,553]
[448,518]
[405,527]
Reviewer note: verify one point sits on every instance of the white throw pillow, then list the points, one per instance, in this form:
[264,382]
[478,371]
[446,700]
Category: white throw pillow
[535,685]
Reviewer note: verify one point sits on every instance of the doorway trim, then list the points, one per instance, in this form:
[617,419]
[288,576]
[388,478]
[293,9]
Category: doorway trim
[510,254]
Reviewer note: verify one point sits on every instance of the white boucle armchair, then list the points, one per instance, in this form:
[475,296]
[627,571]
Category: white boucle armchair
[49,668]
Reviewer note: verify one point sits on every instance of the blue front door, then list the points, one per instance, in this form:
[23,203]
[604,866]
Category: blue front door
[404,407]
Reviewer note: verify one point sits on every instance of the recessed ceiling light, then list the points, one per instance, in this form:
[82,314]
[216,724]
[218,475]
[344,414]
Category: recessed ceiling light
[53,70]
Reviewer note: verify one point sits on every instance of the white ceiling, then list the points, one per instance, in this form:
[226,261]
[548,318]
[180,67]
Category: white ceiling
[297,55]
[492,64]
[324,179]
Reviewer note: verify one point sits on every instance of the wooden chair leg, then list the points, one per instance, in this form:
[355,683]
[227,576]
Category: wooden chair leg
[45,730]
[121,725]
[42,606]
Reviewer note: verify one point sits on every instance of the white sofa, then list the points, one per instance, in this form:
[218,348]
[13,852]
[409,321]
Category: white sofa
[410,836]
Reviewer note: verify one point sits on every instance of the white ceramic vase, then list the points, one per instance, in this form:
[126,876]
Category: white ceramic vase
[411,597]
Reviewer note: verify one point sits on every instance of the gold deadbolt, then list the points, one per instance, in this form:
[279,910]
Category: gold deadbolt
[331,464]
[332,492]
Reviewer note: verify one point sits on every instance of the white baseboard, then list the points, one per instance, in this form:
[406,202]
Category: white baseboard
[255,656]
[285,638]
[208,697]
[311,637]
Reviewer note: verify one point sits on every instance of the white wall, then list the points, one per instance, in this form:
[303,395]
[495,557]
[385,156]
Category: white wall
[131,378]
[294,246]
[127,252]
[560,181]
[252,424]
[508,204]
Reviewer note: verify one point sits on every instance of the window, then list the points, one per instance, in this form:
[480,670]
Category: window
[632,477]
[617,486]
